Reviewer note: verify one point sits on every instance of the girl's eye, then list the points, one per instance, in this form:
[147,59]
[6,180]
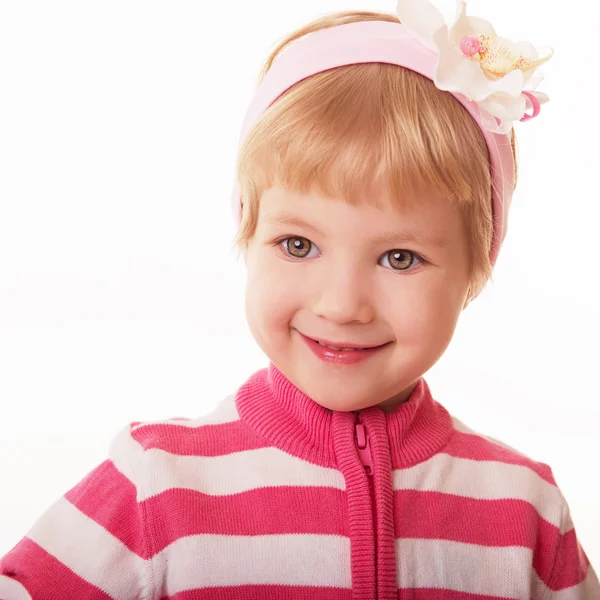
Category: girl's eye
[298,247]
[401,260]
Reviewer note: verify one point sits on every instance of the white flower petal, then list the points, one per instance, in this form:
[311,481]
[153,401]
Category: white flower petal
[545,51]
[504,127]
[505,107]
[470,26]
[511,84]
[535,80]
[527,50]
[465,25]
[528,77]
[488,121]
[460,27]
[493,123]
[482,26]
[422,18]
[541,97]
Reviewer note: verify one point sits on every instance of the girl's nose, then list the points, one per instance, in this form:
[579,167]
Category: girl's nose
[343,297]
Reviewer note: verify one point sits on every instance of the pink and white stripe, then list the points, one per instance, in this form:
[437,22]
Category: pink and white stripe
[208,508]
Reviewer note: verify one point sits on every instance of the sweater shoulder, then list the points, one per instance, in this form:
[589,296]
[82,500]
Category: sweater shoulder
[479,446]
[182,435]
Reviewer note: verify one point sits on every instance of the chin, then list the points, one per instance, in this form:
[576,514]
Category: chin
[339,397]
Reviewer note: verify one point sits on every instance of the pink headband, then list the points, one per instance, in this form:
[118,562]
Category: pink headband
[383,42]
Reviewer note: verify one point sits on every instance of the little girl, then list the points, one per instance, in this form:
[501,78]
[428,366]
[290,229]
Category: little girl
[375,175]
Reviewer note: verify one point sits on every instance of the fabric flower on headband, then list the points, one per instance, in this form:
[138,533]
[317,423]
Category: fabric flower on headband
[477,63]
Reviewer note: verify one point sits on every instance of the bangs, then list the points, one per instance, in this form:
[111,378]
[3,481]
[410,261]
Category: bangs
[351,129]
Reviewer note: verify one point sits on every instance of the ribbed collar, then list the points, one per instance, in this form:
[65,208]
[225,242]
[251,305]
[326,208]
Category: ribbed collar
[281,413]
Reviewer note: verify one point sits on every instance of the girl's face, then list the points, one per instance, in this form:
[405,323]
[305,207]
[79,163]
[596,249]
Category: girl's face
[355,275]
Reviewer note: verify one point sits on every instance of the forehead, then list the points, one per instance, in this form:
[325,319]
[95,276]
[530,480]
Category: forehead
[427,219]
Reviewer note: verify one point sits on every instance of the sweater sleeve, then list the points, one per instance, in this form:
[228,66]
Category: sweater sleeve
[571,575]
[88,545]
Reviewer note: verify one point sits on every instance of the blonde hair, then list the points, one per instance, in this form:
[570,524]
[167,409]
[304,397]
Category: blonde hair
[340,131]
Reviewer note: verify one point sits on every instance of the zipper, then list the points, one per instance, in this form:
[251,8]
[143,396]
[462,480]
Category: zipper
[363,444]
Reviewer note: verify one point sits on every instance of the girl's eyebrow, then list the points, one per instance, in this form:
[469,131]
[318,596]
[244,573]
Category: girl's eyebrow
[391,237]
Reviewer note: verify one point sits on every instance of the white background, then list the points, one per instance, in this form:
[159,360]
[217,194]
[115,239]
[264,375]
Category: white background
[121,300]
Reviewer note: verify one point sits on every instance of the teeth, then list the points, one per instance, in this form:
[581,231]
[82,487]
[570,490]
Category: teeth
[339,349]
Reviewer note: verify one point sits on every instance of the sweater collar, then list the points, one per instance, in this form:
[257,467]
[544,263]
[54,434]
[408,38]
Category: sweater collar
[281,413]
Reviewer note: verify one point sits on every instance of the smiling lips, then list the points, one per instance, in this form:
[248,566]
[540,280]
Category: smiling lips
[344,346]
[344,353]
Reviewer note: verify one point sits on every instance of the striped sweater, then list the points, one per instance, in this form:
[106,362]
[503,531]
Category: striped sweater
[272,496]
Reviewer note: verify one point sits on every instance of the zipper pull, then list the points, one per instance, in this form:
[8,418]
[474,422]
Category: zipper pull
[363,444]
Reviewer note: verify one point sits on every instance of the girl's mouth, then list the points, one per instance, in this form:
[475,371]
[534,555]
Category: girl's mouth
[341,354]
